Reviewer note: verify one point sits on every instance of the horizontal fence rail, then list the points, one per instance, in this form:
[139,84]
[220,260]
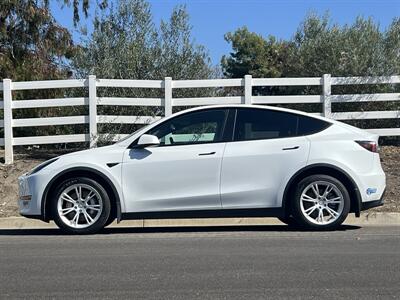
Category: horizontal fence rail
[166,102]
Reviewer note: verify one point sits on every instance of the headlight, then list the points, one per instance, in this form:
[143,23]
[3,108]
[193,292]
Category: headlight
[42,165]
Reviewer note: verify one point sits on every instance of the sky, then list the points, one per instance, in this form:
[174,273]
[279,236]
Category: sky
[211,19]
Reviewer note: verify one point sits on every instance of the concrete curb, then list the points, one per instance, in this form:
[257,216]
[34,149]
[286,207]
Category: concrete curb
[366,219]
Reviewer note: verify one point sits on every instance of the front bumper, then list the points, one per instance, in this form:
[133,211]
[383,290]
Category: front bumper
[31,188]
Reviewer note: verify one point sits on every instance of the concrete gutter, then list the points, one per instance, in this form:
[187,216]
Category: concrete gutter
[366,219]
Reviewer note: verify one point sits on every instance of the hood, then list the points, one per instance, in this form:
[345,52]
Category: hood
[92,151]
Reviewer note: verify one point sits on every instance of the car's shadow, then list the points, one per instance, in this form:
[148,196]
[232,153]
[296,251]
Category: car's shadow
[186,229]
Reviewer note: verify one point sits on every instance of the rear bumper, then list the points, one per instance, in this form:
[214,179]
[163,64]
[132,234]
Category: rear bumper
[371,187]
[372,204]
[370,191]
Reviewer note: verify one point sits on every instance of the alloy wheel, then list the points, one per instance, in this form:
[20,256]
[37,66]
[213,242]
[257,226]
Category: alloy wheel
[79,206]
[321,202]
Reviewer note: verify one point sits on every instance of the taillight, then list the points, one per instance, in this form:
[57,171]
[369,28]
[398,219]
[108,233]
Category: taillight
[369,145]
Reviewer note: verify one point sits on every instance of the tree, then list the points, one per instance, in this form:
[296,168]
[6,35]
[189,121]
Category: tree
[122,44]
[358,49]
[32,45]
[254,55]
[85,5]
[126,44]
[391,47]
[319,46]
[178,55]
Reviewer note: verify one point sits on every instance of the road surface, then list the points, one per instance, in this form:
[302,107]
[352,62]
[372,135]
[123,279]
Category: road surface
[253,262]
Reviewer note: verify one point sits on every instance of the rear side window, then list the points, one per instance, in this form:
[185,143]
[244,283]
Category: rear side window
[257,124]
[309,125]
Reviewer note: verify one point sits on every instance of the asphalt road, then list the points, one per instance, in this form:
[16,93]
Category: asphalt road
[203,263]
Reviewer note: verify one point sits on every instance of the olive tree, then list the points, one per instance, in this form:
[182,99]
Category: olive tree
[127,44]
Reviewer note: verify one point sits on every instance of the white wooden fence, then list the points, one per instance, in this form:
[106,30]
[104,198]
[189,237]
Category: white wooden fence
[168,102]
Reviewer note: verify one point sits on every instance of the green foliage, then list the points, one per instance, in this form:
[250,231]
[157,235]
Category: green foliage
[32,45]
[75,6]
[318,47]
[120,45]
[254,55]
[84,4]
[178,56]
[126,44]
[359,49]
[321,47]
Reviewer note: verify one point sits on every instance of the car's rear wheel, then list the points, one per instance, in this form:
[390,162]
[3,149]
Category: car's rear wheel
[321,202]
[81,205]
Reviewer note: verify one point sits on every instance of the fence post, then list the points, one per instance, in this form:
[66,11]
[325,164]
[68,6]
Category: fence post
[247,89]
[327,105]
[8,130]
[167,96]
[92,111]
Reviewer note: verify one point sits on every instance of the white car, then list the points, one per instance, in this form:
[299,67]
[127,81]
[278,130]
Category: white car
[219,161]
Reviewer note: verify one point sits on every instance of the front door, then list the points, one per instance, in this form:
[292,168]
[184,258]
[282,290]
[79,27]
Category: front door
[183,172]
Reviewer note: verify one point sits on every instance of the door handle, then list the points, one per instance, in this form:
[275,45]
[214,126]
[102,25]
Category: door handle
[291,148]
[207,153]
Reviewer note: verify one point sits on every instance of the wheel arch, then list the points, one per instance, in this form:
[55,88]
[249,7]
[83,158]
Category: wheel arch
[81,172]
[326,169]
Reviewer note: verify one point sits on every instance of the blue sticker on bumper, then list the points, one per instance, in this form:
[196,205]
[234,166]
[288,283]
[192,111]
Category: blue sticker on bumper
[371,191]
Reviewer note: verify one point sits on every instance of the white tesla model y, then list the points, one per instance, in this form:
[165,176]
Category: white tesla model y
[219,161]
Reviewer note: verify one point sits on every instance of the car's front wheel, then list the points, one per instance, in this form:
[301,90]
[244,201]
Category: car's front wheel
[81,206]
[321,202]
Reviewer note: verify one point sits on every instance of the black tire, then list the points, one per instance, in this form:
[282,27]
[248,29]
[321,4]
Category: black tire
[111,219]
[299,216]
[104,216]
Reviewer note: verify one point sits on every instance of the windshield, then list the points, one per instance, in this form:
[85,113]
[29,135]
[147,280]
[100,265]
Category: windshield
[129,135]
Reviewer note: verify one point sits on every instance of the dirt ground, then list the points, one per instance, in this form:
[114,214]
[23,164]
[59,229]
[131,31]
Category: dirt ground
[390,157]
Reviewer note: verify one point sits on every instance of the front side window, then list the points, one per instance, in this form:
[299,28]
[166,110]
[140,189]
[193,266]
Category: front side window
[192,128]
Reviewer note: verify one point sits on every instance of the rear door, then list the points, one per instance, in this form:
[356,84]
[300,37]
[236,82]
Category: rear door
[265,152]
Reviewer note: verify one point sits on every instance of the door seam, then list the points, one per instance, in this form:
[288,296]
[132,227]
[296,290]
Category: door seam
[220,175]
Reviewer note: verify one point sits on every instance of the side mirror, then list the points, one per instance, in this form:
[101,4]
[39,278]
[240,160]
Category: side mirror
[147,140]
